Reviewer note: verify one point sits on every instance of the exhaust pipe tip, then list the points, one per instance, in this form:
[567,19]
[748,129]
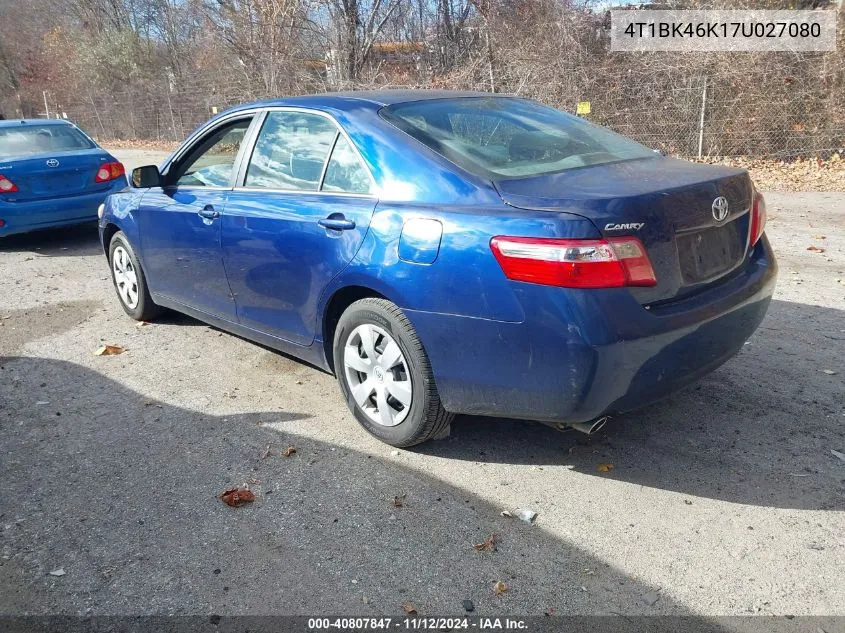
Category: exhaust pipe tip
[588,428]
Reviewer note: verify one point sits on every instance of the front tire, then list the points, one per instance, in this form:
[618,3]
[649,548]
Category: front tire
[129,280]
[385,375]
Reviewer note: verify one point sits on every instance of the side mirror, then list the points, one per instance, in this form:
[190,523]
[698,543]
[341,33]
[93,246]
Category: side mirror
[146,177]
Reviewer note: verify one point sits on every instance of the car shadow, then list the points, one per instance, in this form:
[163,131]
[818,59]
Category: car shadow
[759,430]
[121,494]
[69,241]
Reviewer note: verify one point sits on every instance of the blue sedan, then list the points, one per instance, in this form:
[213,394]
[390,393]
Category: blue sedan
[52,174]
[445,252]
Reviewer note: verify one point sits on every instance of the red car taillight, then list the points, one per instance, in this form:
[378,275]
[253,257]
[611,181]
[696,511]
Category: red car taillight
[575,263]
[6,185]
[109,171]
[758,219]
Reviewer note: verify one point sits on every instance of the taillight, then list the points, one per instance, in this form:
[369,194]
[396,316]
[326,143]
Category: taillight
[574,263]
[109,171]
[6,185]
[758,219]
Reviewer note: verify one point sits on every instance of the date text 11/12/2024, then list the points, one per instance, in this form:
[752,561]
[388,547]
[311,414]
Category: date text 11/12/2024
[417,624]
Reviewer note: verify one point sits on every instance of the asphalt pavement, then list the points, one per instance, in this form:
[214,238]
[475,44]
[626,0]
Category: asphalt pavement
[724,499]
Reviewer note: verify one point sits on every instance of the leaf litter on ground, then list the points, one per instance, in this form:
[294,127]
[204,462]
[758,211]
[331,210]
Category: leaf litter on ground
[487,546]
[109,350]
[237,496]
[500,587]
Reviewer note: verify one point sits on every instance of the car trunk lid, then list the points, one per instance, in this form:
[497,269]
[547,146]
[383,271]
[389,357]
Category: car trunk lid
[54,175]
[667,203]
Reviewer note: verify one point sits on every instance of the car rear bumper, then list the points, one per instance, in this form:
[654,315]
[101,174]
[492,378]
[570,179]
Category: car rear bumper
[22,217]
[582,354]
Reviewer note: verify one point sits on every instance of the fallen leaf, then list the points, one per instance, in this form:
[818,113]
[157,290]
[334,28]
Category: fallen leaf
[237,496]
[290,450]
[398,501]
[487,546]
[819,237]
[815,249]
[109,350]
[142,323]
[605,468]
[266,452]
[838,455]
[409,608]
[829,372]
[500,587]
[57,572]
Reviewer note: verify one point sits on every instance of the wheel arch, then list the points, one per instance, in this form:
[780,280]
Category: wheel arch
[108,233]
[336,305]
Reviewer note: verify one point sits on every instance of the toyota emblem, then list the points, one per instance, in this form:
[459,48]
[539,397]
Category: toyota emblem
[52,163]
[720,209]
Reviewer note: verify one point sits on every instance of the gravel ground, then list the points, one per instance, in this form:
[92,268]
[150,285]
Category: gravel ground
[724,499]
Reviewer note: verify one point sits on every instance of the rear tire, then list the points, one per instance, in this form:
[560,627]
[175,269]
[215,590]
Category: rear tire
[129,280]
[390,388]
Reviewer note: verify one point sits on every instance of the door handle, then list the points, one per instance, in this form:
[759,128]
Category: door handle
[337,224]
[209,213]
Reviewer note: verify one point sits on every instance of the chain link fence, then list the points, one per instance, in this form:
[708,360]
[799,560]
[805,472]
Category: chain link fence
[696,117]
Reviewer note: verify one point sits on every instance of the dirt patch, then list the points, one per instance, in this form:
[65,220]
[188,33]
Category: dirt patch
[801,174]
[19,327]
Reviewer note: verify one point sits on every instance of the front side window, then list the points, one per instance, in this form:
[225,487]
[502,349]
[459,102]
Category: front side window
[291,151]
[30,140]
[500,138]
[212,161]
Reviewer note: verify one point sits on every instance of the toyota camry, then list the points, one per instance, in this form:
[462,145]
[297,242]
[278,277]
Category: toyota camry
[446,253]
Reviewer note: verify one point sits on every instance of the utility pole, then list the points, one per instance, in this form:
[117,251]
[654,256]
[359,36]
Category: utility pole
[701,121]
[46,108]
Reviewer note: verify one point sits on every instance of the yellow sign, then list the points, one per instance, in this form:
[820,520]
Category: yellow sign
[583,107]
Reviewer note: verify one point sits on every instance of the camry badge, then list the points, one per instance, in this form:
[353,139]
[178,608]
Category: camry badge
[720,209]
[629,226]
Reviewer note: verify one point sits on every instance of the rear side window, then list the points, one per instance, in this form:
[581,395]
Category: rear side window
[291,152]
[30,140]
[345,172]
[500,137]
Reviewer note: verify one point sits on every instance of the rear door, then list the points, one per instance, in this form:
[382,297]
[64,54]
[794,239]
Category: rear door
[297,217]
[180,222]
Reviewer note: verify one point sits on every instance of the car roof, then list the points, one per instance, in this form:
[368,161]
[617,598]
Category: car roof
[27,122]
[355,98]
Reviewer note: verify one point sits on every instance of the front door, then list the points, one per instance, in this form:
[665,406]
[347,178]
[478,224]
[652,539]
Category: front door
[180,223]
[298,218]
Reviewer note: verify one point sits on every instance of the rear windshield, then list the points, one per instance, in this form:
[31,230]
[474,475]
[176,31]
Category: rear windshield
[28,140]
[506,137]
